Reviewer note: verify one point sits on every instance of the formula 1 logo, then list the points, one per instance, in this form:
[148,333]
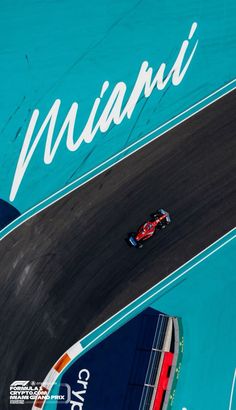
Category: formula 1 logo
[20,383]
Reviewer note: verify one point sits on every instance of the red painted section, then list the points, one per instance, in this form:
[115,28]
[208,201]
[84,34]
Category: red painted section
[163,380]
[148,229]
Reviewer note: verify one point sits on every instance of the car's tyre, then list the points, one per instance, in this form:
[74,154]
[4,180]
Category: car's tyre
[140,245]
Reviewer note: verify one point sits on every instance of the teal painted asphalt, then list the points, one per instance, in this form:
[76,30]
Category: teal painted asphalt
[202,293]
[205,301]
[66,51]
[147,299]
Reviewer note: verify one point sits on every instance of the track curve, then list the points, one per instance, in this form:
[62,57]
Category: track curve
[69,268]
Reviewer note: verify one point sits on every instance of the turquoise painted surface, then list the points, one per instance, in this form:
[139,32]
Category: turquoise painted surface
[205,301]
[203,293]
[67,49]
[157,292]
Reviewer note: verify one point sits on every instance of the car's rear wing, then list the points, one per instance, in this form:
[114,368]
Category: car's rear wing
[167,215]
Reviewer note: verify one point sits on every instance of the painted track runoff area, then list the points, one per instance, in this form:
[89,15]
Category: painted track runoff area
[53,292]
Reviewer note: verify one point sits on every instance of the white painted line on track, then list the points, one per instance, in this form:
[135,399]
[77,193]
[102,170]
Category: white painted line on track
[121,152]
[77,348]
[166,278]
[159,290]
[232,392]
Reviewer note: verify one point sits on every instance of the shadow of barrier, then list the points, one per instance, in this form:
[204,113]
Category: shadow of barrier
[8,213]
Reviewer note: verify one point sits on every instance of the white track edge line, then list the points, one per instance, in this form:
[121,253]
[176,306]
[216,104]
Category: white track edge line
[232,390]
[122,159]
[161,281]
[149,297]
[159,290]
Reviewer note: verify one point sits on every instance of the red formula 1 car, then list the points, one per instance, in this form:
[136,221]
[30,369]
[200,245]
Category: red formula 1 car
[159,220]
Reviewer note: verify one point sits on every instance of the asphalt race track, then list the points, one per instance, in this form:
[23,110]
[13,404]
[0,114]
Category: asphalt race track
[69,268]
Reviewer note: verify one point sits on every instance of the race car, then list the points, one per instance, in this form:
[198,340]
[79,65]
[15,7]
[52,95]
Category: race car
[159,220]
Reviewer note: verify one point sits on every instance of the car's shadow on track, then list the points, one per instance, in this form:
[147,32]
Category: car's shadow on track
[127,240]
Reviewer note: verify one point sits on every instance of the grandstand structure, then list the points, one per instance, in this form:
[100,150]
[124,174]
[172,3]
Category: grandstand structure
[162,365]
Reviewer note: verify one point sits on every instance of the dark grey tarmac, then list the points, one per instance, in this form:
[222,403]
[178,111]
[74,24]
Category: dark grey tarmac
[69,268]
